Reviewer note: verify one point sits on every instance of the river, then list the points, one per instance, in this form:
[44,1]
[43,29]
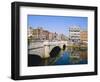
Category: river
[67,58]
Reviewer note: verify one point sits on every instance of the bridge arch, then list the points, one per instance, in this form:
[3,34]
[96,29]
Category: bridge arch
[48,46]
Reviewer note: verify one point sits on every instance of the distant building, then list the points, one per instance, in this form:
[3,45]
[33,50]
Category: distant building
[62,37]
[37,33]
[55,36]
[51,36]
[29,31]
[40,34]
[45,35]
[74,34]
[83,36]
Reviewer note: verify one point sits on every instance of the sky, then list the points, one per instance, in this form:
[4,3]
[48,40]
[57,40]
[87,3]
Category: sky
[58,24]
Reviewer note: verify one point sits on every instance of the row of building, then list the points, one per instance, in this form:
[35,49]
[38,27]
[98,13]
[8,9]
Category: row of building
[41,34]
[76,34]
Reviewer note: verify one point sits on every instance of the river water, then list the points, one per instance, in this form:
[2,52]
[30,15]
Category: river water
[67,58]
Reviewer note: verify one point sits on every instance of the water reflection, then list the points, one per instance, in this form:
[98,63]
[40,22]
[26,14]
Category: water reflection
[67,57]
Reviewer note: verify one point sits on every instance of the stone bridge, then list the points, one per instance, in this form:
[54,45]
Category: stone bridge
[44,48]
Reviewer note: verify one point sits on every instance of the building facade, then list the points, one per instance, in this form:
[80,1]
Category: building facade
[83,36]
[74,34]
[39,34]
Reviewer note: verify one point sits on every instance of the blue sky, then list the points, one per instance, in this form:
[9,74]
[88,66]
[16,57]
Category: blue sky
[59,24]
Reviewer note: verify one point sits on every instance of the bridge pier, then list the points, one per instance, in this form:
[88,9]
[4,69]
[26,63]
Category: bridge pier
[46,50]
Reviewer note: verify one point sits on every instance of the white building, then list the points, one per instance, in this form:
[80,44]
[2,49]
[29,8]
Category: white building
[74,34]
